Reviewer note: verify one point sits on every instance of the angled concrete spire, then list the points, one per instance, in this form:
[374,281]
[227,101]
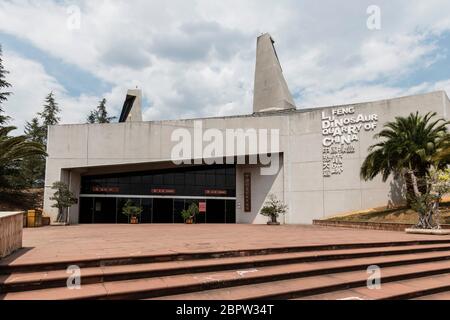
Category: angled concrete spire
[271,92]
[132,110]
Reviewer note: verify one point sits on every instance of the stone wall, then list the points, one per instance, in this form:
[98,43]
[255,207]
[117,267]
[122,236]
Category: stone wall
[11,231]
[387,226]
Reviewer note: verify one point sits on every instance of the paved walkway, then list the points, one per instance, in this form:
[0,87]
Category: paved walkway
[93,241]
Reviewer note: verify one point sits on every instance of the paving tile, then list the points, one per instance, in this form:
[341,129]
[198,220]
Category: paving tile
[122,287]
[76,242]
[86,292]
[84,243]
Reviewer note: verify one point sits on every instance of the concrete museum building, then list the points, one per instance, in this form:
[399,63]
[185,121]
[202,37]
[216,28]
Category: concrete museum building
[308,158]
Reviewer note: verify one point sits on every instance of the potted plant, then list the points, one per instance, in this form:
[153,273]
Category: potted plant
[63,199]
[273,208]
[189,214]
[133,212]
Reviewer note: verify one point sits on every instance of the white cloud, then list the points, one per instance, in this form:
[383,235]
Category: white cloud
[31,85]
[196,58]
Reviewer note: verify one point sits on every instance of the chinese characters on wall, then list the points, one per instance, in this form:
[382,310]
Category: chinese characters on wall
[340,129]
[247,192]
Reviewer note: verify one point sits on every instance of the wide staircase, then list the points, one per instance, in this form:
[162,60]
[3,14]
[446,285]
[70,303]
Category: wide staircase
[409,270]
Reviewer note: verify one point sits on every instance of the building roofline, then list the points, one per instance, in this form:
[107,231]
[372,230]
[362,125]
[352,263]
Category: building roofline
[278,112]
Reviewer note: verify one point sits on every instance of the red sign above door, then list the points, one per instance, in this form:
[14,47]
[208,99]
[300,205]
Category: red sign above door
[164,191]
[216,192]
[106,189]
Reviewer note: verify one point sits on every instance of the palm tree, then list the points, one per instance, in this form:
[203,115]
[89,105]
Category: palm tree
[409,145]
[14,149]
[442,157]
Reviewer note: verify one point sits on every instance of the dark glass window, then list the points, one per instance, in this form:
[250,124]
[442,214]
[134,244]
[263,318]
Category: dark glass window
[188,181]
[169,179]
[147,179]
[147,207]
[179,179]
[136,179]
[158,179]
[210,180]
[230,211]
[200,179]
[178,207]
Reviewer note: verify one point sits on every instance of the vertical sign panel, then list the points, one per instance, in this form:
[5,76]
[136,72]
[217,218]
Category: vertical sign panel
[247,192]
[202,207]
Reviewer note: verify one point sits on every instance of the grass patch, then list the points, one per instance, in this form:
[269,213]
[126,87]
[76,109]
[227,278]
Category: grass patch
[397,215]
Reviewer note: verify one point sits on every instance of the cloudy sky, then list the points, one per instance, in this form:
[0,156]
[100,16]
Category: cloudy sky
[196,57]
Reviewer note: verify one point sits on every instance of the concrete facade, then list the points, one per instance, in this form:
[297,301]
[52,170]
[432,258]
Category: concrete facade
[75,150]
[320,150]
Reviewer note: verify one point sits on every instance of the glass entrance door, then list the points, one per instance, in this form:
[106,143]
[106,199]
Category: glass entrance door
[215,211]
[162,211]
[155,210]
[105,210]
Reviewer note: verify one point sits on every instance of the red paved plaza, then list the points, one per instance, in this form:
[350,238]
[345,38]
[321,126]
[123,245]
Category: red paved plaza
[225,262]
[103,241]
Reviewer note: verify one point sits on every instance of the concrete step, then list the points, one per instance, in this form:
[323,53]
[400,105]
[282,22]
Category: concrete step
[415,277]
[313,274]
[437,296]
[50,279]
[10,265]
[435,287]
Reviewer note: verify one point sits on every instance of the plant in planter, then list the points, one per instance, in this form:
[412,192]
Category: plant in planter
[190,214]
[273,208]
[132,212]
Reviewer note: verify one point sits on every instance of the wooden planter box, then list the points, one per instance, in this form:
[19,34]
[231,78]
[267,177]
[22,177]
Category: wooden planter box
[34,219]
[134,220]
[46,221]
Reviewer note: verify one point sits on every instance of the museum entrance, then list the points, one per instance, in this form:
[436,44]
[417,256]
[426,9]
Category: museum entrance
[162,195]
[155,210]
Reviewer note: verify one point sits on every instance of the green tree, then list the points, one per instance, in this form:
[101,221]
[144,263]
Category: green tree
[32,169]
[50,114]
[4,85]
[100,115]
[92,118]
[273,208]
[64,199]
[427,204]
[16,151]
[407,148]
[34,131]
[13,150]
[442,157]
